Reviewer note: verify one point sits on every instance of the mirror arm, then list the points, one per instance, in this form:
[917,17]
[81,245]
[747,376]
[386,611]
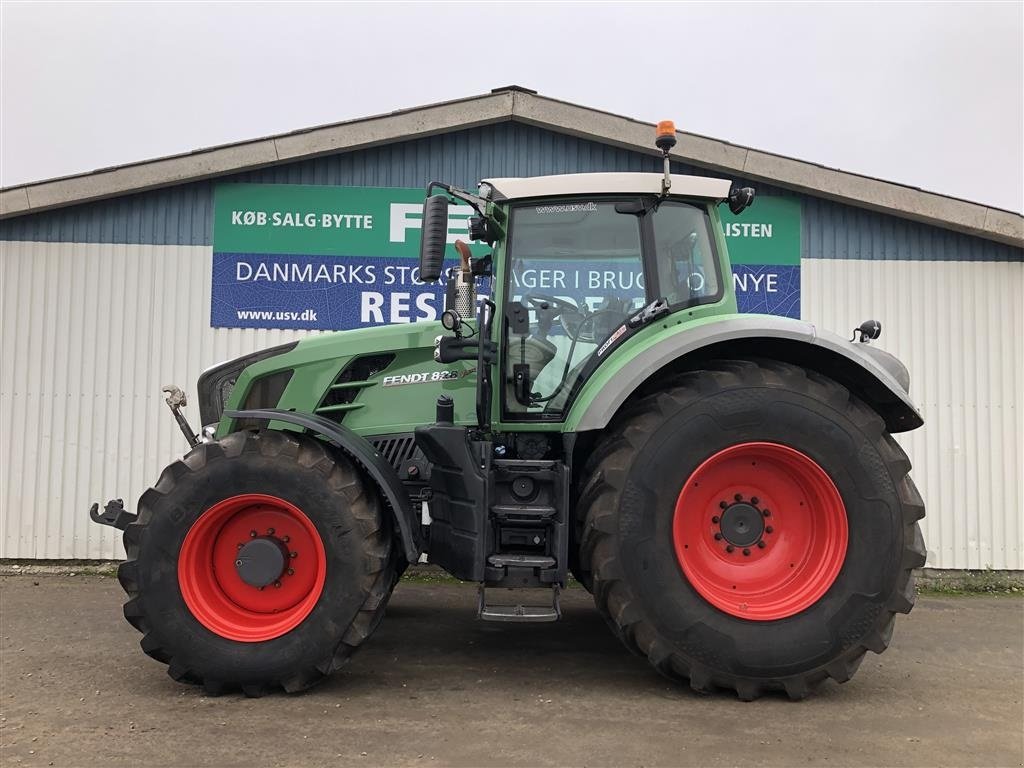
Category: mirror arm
[482,266]
[478,203]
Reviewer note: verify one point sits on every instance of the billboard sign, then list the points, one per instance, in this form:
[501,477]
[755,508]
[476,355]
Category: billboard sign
[333,258]
[764,247]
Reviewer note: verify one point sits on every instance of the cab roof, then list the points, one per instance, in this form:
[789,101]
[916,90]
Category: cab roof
[573,184]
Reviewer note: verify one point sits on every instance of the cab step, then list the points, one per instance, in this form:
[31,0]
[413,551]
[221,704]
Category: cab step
[521,561]
[519,611]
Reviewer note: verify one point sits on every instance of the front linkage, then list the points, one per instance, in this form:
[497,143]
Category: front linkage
[114,514]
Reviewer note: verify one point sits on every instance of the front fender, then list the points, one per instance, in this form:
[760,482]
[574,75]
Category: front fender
[874,375]
[365,455]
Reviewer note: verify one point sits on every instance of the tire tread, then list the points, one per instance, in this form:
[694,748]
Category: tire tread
[380,556]
[604,482]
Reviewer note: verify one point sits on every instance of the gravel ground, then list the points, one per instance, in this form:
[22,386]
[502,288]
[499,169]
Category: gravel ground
[435,687]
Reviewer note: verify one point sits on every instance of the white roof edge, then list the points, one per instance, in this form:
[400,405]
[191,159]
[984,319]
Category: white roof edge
[524,106]
[607,183]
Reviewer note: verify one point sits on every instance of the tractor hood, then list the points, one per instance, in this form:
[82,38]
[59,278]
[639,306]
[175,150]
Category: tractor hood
[376,381]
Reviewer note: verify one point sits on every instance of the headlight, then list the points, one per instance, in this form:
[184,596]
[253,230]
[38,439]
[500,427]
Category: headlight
[216,384]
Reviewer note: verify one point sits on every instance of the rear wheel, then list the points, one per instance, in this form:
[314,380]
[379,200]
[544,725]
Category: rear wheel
[257,562]
[751,526]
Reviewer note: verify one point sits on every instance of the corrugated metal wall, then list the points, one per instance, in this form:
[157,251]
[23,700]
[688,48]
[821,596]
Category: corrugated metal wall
[959,327]
[104,303]
[183,215]
[90,334]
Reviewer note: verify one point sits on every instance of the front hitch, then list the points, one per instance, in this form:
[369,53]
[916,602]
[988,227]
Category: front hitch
[114,514]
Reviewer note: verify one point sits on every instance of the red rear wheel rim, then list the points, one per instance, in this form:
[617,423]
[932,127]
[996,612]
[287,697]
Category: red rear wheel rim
[760,531]
[213,588]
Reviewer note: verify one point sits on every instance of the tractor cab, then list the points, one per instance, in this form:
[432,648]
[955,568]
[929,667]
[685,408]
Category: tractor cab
[579,264]
[580,268]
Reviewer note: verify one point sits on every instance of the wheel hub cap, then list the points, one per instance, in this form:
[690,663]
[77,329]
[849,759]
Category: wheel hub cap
[742,524]
[262,561]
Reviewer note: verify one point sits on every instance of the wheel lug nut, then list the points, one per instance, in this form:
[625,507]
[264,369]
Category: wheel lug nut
[291,571]
[754,499]
[240,545]
[277,584]
[270,531]
[253,534]
[738,497]
[293,554]
[718,537]
[766,512]
[768,529]
[746,552]
[714,518]
[760,545]
[729,548]
[723,504]
[286,539]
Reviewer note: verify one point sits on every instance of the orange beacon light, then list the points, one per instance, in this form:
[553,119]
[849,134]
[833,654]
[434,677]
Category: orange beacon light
[665,135]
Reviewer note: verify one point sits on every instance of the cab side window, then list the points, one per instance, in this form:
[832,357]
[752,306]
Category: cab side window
[575,273]
[687,271]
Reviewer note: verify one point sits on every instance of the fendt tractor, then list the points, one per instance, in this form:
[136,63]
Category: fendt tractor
[726,485]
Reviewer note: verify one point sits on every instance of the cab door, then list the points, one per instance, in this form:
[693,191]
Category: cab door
[574,272]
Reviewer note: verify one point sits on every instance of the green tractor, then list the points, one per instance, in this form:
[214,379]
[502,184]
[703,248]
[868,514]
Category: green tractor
[725,485]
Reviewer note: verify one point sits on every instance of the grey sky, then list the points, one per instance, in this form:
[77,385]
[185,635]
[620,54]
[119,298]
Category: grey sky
[925,94]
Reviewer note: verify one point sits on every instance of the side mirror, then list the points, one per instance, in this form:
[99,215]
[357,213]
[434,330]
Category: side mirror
[740,198]
[434,237]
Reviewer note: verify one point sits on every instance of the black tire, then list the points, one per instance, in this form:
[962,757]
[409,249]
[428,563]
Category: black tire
[583,576]
[635,476]
[346,512]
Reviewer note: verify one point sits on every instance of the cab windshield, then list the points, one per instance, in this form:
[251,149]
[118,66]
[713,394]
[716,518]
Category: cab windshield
[577,269]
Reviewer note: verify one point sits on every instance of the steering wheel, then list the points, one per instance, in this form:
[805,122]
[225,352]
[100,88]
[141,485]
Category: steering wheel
[554,304]
[551,308]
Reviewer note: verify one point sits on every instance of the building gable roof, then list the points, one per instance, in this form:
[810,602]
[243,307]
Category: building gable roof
[514,103]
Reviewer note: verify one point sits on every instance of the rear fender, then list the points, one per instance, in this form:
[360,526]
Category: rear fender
[365,456]
[872,374]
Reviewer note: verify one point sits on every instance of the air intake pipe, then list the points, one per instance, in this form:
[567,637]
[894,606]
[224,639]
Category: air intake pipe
[463,298]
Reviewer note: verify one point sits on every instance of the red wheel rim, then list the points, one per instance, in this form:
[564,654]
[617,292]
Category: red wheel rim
[213,588]
[760,531]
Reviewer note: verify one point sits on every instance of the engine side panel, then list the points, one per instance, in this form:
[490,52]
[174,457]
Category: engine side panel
[396,399]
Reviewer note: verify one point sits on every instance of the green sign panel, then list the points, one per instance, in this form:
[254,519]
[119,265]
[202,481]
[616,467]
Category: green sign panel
[768,232]
[321,221]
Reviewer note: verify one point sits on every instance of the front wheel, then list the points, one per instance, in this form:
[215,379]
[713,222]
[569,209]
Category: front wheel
[751,526]
[257,562]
